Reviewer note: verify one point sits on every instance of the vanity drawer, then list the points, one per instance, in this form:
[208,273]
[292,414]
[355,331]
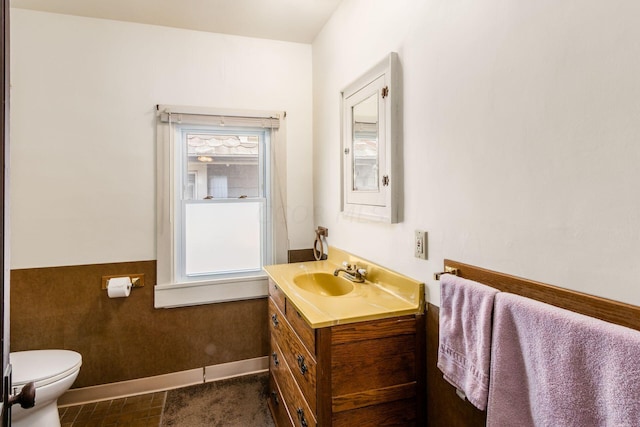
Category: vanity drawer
[304,331]
[276,318]
[276,359]
[301,363]
[277,295]
[298,408]
[277,405]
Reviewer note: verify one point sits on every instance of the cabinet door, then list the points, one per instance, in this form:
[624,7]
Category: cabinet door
[371,144]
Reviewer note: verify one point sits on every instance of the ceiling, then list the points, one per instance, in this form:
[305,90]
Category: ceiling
[289,20]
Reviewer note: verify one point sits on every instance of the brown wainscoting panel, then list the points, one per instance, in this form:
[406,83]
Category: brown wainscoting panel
[127,338]
[300,255]
[601,308]
[444,407]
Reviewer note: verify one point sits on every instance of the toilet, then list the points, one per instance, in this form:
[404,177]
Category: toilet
[53,372]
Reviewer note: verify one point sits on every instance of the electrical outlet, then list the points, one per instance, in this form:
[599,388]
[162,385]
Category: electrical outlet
[420,245]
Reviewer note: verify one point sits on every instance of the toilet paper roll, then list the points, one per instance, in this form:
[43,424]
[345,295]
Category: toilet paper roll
[119,287]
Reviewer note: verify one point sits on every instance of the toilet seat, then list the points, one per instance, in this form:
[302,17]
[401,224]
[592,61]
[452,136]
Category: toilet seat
[43,366]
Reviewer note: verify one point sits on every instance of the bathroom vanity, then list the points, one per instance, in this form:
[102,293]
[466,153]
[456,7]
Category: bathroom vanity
[346,356]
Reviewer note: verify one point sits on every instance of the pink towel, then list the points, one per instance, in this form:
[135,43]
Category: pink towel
[554,367]
[464,349]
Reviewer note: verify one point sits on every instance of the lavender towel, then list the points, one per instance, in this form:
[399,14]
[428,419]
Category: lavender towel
[554,367]
[466,309]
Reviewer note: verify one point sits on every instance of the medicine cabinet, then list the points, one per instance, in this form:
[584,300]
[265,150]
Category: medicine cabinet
[371,144]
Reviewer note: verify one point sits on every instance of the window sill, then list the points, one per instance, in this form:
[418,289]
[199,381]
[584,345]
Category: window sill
[197,293]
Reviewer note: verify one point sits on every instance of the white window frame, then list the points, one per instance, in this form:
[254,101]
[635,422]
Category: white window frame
[174,289]
[264,200]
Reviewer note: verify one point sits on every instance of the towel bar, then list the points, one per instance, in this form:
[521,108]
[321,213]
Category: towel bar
[447,270]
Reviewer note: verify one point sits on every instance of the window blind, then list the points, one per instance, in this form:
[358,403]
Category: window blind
[212,117]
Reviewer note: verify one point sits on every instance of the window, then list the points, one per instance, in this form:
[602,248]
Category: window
[217,182]
[224,218]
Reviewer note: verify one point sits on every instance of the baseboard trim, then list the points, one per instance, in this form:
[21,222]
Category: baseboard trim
[81,396]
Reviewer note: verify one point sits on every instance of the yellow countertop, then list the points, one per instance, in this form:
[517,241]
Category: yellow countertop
[384,294]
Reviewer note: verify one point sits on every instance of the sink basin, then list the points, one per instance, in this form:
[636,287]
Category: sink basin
[325,284]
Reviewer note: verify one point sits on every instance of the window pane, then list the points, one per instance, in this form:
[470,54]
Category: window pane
[222,237]
[227,165]
[192,186]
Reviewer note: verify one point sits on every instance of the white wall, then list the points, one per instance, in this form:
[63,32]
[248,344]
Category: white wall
[521,137]
[83,127]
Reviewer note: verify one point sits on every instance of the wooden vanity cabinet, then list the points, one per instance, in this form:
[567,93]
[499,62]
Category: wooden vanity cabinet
[368,373]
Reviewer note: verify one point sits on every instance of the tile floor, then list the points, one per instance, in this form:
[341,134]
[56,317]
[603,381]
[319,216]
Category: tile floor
[136,411]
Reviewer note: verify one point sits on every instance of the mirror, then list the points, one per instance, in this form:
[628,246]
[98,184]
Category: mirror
[365,145]
[371,143]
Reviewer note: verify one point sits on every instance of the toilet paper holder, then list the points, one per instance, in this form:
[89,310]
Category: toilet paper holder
[137,280]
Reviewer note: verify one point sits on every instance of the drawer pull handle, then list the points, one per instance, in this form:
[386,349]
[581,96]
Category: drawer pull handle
[301,418]
[274,396]
[301,365]
[274,319]
[275,358]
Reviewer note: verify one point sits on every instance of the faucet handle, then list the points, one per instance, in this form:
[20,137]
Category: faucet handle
[362,272]
[346,265]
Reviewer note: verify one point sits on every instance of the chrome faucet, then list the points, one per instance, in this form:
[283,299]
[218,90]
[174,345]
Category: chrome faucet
[351,272]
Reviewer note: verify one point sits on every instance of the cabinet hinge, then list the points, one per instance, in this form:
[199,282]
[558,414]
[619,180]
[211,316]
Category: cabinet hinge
[385,180]
[385,92]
